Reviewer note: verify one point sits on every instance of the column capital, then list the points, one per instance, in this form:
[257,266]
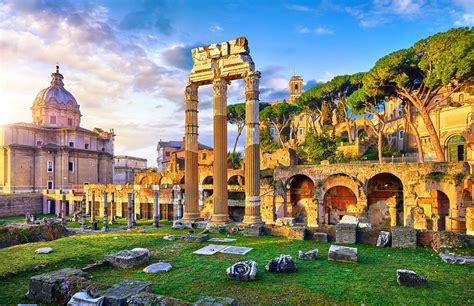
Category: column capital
[252,82]
[191,91]
[220,87]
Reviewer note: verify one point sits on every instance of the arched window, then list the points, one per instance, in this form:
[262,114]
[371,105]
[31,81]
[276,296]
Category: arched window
[461,98]
[296,87]
[456,148]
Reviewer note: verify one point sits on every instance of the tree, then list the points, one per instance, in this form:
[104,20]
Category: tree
[266,141]
[235,158]
[236,115]
[311,104]
[362,102]
[427,74]
[318,147]
[279,116]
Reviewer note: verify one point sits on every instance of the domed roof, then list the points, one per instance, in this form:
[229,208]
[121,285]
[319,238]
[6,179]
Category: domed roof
[56,95]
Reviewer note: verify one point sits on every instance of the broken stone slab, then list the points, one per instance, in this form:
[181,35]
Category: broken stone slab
[457,259]
[216,301]
[222,240]
[320,237]
[254,230]
[236,250]
[347,219]
[190,237]
[161,266]
[181,225]
[403,237]
[169,237]
[342,253]
[128,258]
[283,263]
[409,278]
[141,250]
[384,239]
[310,255]
[45,250]
[285,221]
[243,270]
[57,286]
[346,233]
[82,298]
[147,298]
[118,294]
[211,249]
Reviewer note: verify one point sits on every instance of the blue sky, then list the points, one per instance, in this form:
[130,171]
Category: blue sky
[126,62]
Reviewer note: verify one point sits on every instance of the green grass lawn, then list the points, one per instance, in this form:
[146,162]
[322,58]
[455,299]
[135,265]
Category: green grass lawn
[371,281]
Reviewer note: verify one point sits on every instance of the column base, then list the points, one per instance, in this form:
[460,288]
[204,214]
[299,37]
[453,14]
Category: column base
[220,219]
[190,217]
[252,220]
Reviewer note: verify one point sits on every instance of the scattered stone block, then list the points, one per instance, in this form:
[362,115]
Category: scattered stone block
[310,255]
[216,301]
[119,294]
[442,240]
[190,237]
[297,233]
[84,299]
[320,237]
[161,266]
[200,224]
[342,253]
[403,237]
[179,225]
[243,270]
[285,221]
[210,249]
[254,230]
[346,233]
[128,258]
[457,259]
[283,263]
[95,265]
[384,239]
[147,298]
[57,286]
[45,250]
[411,279]
[236,250]
[347,219]
[169,237]
[222,240]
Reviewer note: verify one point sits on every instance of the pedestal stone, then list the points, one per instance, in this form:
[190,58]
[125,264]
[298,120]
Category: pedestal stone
[254,230]
[403,237]
[128,258]
[346,233]
[320,237]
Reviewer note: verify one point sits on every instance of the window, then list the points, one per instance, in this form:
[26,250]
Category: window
[86,146]
[203,156]
[52,120]
[461,98]
[272,131]
[400,134]
[292,118]
[167,154]
[50,166]
[69,121]
[301,118]
[71,166]
[301,131]
[296,88]
[71,144]
[50,185]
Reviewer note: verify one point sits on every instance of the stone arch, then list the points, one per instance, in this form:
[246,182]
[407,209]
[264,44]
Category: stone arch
[338,201]
[236,180]
[300,197]
[432,211]
[208,180]
[385,200]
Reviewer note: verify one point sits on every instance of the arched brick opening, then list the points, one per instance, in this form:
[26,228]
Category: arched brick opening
[236,180]
[208,180]
[301,193]
[433,208]
[207,183]
[385,200]
[338,201]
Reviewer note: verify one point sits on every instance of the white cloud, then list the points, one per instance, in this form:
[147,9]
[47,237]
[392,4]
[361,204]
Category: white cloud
[216,28]
[467,20]
[316,31]
[299,7]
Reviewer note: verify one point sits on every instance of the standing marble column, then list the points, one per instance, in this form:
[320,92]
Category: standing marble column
[112,208]
[191,211]
[83,212]
[105,226]
[156,207]
[252,149]
[63,207]
[130,212]
[93,207]
[220,214]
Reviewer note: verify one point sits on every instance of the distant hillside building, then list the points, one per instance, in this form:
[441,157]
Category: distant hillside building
[167,148]
[54,151]
[125,168]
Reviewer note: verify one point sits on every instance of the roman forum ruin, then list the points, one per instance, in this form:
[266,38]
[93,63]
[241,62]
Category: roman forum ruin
[219,64]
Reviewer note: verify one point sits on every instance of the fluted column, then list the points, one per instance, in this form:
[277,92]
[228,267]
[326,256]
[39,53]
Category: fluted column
[105,226]
[63,207]
[112,208]
[130,212]
[156,206]
[220,214]
[191,210]
[252,149]
[83,212]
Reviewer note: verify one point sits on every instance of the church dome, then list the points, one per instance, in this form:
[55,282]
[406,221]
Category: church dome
[55,106]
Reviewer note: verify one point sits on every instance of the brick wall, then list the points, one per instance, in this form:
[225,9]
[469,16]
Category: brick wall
[20,204]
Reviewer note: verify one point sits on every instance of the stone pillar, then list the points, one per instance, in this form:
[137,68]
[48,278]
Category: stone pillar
[130,211]
[63,207]
[105,227]
[92,209]
[156,207]
[180,204]
[470,221]
[83,212]
[191,211]
[252,149]
[112,208]
[220,214]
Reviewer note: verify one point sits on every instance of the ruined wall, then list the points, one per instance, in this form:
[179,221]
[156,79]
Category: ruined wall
[20,204]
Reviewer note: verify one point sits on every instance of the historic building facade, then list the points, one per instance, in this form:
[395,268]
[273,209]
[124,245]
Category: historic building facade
[125,168]
[54,152]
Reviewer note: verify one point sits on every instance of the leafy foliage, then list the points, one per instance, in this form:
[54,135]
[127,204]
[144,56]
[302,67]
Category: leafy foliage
[318,147]
[279,116]
[235,158]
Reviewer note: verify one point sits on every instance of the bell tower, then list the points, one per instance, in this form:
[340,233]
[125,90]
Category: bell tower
[296,87]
